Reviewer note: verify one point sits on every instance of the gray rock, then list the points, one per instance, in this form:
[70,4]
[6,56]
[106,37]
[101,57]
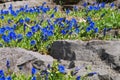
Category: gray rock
[21,59]
[72,50]
[91,51]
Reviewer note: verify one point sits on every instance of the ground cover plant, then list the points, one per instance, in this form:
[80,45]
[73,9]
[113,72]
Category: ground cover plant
[37,27]
[55,71]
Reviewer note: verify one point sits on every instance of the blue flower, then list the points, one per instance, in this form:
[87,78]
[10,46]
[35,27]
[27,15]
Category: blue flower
[19,37]
[52,15]
[34,29]
[50,33]
[43,3]
[33,71]
[102,5]
[55,8]
[27,19]
[96,30]
[67,11]
[8,78]
[10,7]
[88,29]
[1,73]
[91,74]
[9,21]
[90,8]
[77,30]
[112,5]
[61,68]
[6,38]
[2,17]
[34,78]
[12,35]
[75,8]
[29,34]
[33,42]
[85,4]
[2,30]
[8,64]
[21,21]
[78,77]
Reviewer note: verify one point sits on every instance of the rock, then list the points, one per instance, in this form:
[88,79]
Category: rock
[72,50]
[91,51]
[104,72]
[23,60]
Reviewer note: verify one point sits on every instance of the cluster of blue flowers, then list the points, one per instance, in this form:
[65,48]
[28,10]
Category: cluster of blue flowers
[66,27]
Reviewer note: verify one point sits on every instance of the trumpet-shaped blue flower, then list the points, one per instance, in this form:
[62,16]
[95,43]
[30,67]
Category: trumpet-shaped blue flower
[85,4]
[6,38]
[29,34]
[78,77]
[88,29]
[2,17]
[34,78]
[2,30]
[27,19]
[1,73]
[67,11]
[33,42]
[91,74]
[19,37]
[8,64]
[33,71]
[96,30]
[8,78]
[12,35]
[61,68]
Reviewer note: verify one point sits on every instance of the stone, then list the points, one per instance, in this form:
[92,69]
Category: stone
[23,60]
[90,51]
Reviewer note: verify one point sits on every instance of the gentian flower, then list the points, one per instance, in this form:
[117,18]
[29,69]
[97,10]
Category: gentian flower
[112,5]
[21,21]
[8,78]
[61,68]
[104,31]
[2,30]
[19,37]
[29,34]
[34,78]
[34,29]
[27,19]
[90,8]
[88,29]
[77,30]
[67,11]
[33,42]
[91,74]
[8,64]
[6,38]
[96,30]
[85,4]
[12,35]
[52,15]
[102,5]
[56,9]
[9,21]
[33,71]
[10,7]
[78,78]
[43,3]
[2,17]
[75,8]
[50,33]
[1,73]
